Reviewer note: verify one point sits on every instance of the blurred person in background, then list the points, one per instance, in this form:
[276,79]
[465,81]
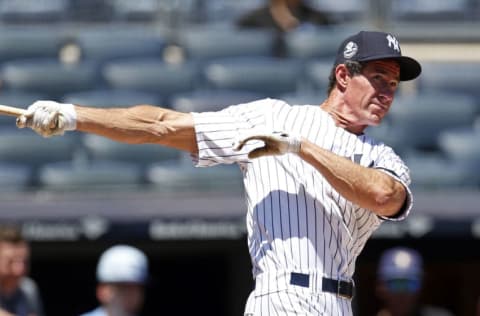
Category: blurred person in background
[122,273]
[19,294]
[283,16]
[478,307]
[399,284]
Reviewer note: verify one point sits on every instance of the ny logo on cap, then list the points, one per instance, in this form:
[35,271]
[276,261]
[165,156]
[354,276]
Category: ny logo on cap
[350,50]
[392,41]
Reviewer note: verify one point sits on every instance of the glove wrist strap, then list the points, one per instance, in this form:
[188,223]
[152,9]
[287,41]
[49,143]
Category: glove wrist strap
[70,115]
[294,144]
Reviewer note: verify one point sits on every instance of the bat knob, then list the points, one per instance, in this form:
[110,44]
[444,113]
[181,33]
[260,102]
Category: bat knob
[55,121]
[21,121]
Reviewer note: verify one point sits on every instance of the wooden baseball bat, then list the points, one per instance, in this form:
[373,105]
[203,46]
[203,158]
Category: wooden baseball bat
[11,111]
[14,111]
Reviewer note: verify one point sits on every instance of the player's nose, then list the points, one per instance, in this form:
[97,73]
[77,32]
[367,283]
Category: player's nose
[386,96]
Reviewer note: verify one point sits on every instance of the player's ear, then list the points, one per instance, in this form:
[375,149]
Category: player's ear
[341,75]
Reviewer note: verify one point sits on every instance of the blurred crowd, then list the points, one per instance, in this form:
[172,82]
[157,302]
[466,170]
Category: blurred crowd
[187,55]
[122,276]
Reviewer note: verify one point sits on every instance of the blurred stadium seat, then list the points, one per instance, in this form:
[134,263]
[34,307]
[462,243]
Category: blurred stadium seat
[14,177]
[139,10]
[216,41]
[113,41]
[151,75]
[74,175]
[115,98]
[342,10]
[462,146]
[100,148]
[435,171]
[23,11]
[417,120]
[48,76]
[266,75]
[315,42]
[316,74]
[90,11]
[223,10]
[211,100]
[26,147]
[450,76]
[175,175]
[34,41]
[426,10]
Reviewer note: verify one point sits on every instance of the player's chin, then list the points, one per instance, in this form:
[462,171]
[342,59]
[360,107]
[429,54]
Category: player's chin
[375,119]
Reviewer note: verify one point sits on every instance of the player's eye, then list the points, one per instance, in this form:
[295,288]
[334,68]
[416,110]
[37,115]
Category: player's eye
[379,81]
[393,84]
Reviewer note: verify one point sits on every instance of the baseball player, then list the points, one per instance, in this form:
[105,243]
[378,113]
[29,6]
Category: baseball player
[400,275]
[316,185]
[19,294]
[122,273]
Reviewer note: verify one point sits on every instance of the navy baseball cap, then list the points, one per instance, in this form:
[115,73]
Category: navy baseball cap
[371,45]
[400,263]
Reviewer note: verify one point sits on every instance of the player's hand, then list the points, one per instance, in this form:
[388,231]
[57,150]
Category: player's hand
[49,118]
[276,143]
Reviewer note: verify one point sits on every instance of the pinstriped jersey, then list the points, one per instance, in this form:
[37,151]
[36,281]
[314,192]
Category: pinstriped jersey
[296,221]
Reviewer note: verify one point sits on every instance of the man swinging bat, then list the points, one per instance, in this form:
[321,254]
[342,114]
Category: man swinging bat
[316,185]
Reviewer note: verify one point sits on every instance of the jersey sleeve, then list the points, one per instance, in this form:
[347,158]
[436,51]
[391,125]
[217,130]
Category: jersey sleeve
[216,132]
[390,163]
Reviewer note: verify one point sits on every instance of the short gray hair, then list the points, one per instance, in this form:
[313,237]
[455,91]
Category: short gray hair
[354,67]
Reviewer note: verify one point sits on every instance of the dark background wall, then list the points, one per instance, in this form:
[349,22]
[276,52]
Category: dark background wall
[212,277]
[187,277]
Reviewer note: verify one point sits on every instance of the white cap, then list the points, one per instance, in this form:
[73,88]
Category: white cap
[122,263]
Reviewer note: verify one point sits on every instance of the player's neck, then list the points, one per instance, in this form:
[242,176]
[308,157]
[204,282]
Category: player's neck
[341,118]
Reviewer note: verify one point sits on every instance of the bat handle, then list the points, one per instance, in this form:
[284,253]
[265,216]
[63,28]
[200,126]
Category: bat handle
[12,111]
[22,121]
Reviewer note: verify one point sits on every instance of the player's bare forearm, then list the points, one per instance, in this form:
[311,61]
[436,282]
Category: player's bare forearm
[140,124]
[369,188]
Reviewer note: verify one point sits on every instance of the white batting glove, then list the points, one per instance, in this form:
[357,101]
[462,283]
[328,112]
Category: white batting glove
[49,118]
[276,143]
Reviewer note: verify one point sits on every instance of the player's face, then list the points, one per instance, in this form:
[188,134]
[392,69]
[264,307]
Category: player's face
[371,94]
[14,261]
[128,296]
[399,300]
